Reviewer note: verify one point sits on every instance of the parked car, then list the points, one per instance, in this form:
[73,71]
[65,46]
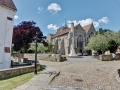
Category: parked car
[85,54]
[95,54]
[79,54]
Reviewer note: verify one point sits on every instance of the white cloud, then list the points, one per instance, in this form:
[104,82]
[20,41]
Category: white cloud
[82,22]
[40,9]
[54,8]
[96,24]
[16,17]
[89,21]
[85,22]
[52,27]
[103,20]
[74,21]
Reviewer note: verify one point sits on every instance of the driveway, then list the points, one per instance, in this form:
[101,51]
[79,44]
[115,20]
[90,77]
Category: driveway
[82,59]
[87,72]
[68,61]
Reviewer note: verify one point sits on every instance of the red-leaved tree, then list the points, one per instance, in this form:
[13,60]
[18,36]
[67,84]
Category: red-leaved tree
[24,33]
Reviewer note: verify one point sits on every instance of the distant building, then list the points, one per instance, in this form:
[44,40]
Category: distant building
[62,38]
[7,12]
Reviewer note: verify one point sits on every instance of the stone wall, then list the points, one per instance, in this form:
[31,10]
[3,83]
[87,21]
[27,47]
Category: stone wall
[106,57]
[60,46]
[48,57]
[11,72]
[118,56]
[17,57]
[109,57]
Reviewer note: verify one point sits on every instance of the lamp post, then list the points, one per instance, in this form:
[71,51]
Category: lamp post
[36,39]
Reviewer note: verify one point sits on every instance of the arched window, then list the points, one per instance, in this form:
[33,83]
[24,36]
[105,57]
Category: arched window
[87,39]
[59,41]
[80,41]
[91,34]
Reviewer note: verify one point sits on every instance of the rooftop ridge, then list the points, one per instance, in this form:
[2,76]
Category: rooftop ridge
[8,4]
[87,27]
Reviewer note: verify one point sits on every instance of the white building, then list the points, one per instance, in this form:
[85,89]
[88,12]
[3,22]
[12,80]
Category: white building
[7,12]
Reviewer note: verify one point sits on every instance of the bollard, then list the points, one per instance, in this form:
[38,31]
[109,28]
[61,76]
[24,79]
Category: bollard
[119,72]
[11,63]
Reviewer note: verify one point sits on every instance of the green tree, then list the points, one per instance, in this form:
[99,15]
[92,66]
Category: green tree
[102,31]
[50,47]
[98,42]
[107,41]
[40,47]
[114,41]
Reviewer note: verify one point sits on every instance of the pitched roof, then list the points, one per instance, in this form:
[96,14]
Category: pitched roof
[61,33]
[8,3]
[52,35]
[86,28]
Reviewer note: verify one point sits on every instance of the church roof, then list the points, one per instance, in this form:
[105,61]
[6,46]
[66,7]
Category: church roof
[87,27]
[52,35]
[61,33]
[8,3]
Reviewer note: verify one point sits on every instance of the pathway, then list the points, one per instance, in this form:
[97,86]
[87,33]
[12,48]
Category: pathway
[40,81]
[86,74]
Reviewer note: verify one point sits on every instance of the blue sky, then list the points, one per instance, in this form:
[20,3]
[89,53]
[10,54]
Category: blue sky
[49,14]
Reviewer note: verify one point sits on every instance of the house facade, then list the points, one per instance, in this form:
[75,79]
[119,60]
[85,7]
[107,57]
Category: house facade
[7,12]
[62,40]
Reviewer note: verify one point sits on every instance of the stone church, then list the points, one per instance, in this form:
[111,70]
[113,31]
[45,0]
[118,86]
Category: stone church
[62,40]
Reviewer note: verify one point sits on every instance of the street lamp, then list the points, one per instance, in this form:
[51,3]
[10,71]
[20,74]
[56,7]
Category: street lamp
[36,39]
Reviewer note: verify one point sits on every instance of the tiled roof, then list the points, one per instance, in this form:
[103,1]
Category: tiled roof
[52,35]
[61,33]
[8,3]
[86,28]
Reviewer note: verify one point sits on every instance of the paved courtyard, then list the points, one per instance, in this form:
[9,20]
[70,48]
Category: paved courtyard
[86,72]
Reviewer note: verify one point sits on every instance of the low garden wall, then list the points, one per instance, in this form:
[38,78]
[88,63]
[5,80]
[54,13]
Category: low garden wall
[109,57]
[11,72]
[48,57]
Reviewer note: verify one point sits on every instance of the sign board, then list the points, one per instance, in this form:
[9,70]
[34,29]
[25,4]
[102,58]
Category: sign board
[7,49]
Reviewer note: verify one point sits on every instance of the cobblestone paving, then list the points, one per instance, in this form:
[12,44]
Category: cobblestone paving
[100,75]
[54,87]
[92,75]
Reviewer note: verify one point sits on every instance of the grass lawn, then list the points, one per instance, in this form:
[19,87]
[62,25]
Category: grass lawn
[9,84]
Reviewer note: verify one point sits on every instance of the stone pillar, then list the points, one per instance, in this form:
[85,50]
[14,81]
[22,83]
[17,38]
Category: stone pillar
[72,51]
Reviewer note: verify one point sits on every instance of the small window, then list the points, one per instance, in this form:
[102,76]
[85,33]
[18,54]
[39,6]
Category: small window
[9,18]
